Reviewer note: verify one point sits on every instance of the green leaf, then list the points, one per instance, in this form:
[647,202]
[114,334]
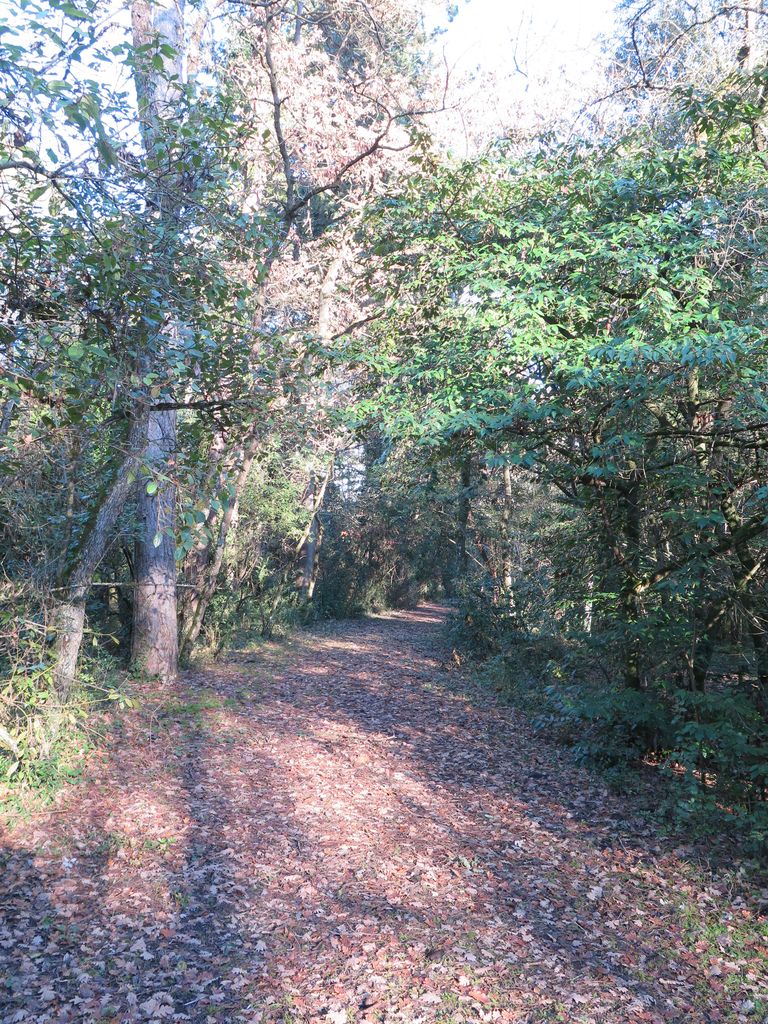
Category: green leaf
[72,12]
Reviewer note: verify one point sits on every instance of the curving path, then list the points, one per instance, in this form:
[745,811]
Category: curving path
[338,829]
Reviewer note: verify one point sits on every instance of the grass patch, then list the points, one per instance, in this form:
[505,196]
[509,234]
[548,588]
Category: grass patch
[192,710]
[35,783]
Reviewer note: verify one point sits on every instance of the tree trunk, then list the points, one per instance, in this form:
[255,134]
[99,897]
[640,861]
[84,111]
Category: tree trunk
[310,539]
[310,545]
[508,545]
[69,625]
[154,646]
[463,517]
[6,417]
[507,539]
[316,560]
[298,23]
[747,57]
[69,615]
[589,606]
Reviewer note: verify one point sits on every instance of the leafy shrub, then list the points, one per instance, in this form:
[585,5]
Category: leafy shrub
[38,736]
[606,726]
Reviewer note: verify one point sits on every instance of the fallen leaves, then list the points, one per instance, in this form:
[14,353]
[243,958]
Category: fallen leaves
[373,840]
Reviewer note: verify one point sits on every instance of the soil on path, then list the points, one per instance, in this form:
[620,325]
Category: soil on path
[338,829]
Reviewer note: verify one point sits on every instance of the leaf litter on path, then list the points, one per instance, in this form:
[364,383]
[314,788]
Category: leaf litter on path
[341,830]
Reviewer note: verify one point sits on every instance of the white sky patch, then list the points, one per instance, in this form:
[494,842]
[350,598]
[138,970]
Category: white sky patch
[515,62]
[492,34]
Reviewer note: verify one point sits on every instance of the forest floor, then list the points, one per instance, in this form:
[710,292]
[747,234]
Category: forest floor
[339,829]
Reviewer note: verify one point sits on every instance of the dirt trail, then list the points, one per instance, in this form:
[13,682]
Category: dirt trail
[338,829]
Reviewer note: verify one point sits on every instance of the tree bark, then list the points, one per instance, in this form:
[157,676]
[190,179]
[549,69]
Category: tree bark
[6,417]
[316,560]
[69,615]
[463,517]
[69,625]
[310,539]
[298,23]
[154,646]
[310,545]
[509,546]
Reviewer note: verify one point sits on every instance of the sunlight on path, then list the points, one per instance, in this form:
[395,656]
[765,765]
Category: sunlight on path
[341,830]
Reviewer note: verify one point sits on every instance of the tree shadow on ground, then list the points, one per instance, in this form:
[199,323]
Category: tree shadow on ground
[337,835]
[541,842]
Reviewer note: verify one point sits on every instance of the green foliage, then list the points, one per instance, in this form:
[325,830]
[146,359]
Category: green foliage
[608,727]
[259,594]
[386,542]
[42,743]
[122,288]
[557,416]
[588,319]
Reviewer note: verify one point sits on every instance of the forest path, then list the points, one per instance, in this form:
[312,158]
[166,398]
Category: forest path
[337,829]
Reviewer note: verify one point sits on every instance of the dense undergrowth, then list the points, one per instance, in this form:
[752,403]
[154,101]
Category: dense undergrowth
[43,744]
[696,760]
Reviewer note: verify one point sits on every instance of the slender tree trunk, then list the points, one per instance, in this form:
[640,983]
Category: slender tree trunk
[310,539]
[507,537]
[310,546]
[299,20]
[69,615]
[154,647]
[316,560]
[6,417]
[463,517]
[508,542]
[589,605]
[747,56]
[309,574]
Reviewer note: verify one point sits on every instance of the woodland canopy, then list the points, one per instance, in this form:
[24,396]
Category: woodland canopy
[272,353]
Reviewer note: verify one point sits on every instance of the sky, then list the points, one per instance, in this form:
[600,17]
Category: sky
[547,33]
[526,58]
